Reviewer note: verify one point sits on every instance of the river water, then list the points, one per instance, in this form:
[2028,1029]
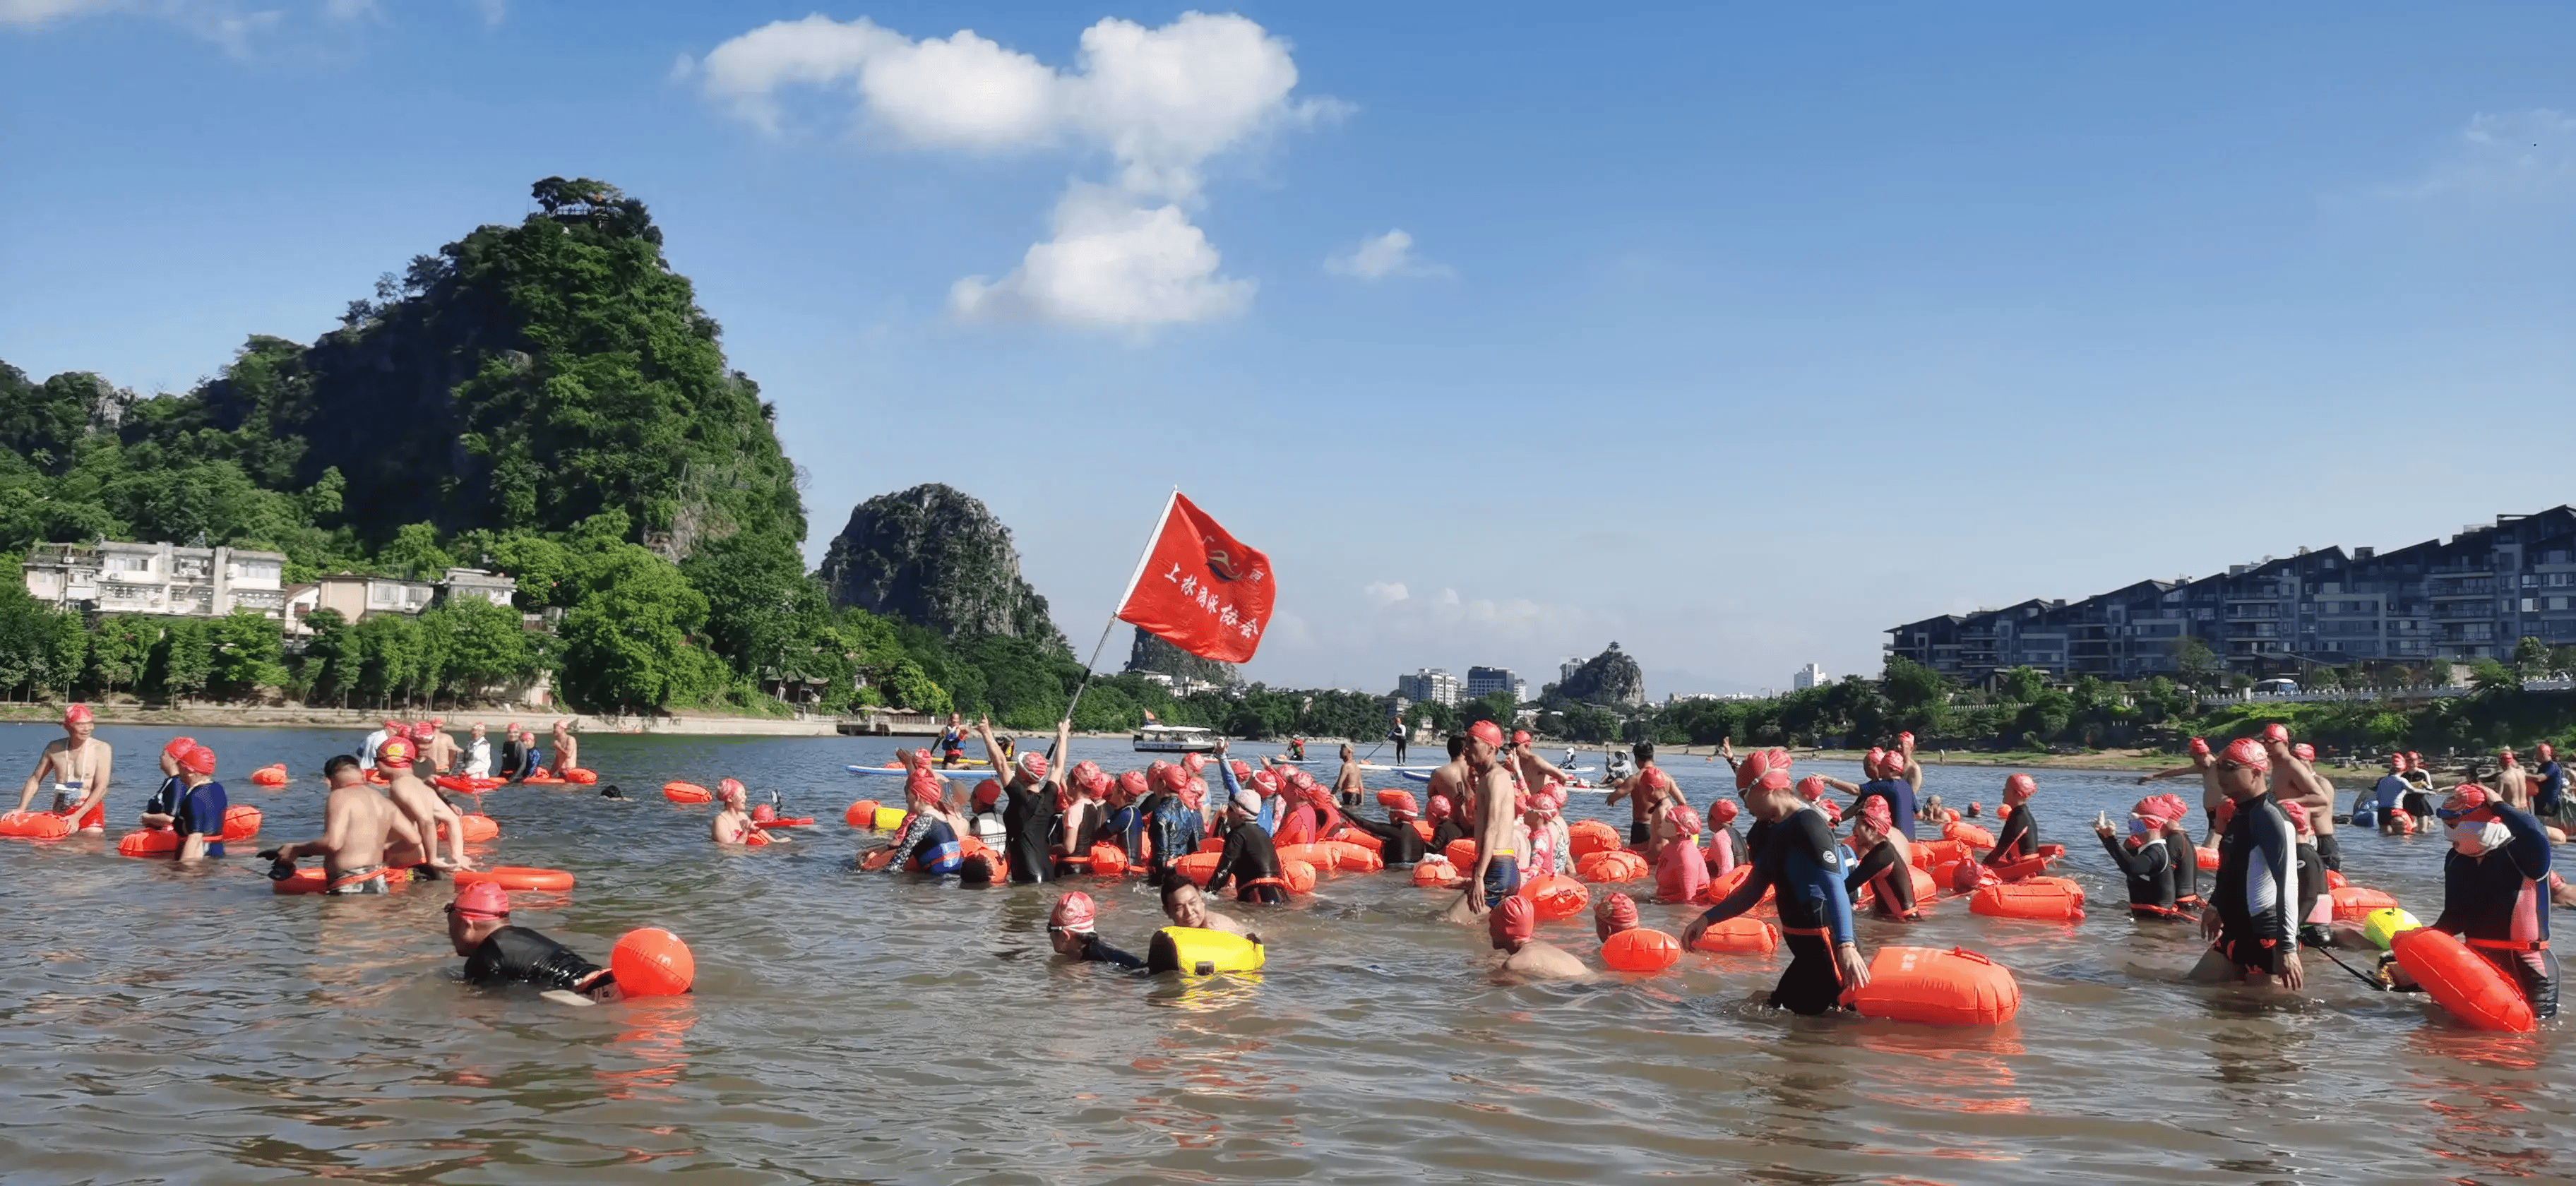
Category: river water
[168,1024]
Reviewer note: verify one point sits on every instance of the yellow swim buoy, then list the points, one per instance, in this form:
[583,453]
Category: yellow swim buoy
[1193,951]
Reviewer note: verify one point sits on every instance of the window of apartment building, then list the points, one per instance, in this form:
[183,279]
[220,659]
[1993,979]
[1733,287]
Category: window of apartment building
[2557,603]
[388,596]
[129,563]
[2530,605]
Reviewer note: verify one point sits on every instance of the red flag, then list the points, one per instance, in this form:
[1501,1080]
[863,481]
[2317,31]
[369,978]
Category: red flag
[1200,589]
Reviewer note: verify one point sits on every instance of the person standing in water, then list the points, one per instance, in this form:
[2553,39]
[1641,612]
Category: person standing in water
[1496,873]
[1645,792]
[567,747]
[1450,782]
[2019,839]
[2251,916]
[358,826]
[2494,891]
[478,754]
[2295,780]
[1801,863]
[428,813]
[1029,796]
[1249,860]
[1348,784]
[80,765]
[2145,860]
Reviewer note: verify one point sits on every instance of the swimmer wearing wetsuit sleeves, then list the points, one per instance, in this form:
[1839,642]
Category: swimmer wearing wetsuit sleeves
[1250,861]
[1070,931]
[1800,861]
[2019,839]
[2144,858]
[1398,844]
[2251,913]
[1886,863]
[496,953]
[1028,813]
[2493,884]
[1887,772]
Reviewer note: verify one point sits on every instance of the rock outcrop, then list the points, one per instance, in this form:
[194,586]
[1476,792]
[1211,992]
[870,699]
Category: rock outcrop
[1611,677]
[1153,654]
[935,556]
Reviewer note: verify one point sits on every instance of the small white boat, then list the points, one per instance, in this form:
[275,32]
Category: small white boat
[1175,739]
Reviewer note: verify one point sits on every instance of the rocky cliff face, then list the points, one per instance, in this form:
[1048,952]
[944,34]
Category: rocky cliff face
[1153,654]
[1610,677]
[935,556]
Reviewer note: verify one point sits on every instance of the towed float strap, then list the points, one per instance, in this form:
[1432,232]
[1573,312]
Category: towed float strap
[2515,945]
[2158,911]
[1195,951]
[353,879]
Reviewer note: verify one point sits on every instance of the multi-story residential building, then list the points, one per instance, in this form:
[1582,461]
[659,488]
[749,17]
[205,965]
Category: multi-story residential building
[1485,681]
[1809,676]
[2472,596]
[1432,684]
[114,578]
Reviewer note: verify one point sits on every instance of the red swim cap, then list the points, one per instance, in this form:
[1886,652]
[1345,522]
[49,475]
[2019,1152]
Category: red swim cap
[2225,815]
[1196,762]
[1722,813]
[1513,921]
[923,785]
[2506,757]
[1196,793]
[1266,782]
[397,753]
[1874,812]
[78,714]
[1683,818]
[2546,754]
[2298,813]
[1487,732]
[1873,761]
[2020,786]
[1399,804]
[482,900]
[1520,737]
[2247,752]
[1441,808]
[177,746]
[197,760]
[1615,912]
[764,812]
[1242,770]
[2466,797]
[1905,741]
[1034,766]
[422,732]
[1172,778]
[2199,747]
[1812,787]
[2304,752]
[1773,780]
[987,793]
[732,788]
[1134,783]
[1073,912]
[2276,731]
[1753,767]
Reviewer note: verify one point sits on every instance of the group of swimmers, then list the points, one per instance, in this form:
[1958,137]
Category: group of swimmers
[2267,813]
[517,759]
[404,830]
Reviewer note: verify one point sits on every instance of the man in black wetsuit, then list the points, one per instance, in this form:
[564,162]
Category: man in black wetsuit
[2019,839]
[1398,844]
[1884,859]
[1070,931]
[2251,914]
[1798,859]
[1028,812]
[1446,828]
[478,923]
[1249,860]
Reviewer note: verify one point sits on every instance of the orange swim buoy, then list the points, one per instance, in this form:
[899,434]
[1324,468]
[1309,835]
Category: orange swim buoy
[1423,829]
[516,877]
[2207,857]
[1928,855]
[479,828]
[862,814]
[1929,986]
[35,825]
[1556,897]
[1313,854]
[1297,876]
[687,792]
[1213,845]
[538,778]
[1434,872]
[2040,899]
[314,881]
[1968,834]
[2352,903]
[652,962]
[1461,852]
[1353,858]
[1198,867]
[1641,949]
[1740,936]
[1108,860]
[1720,887]
[1359,839]
[1925,891]
[269,776]
[2335,880]
[148,842]
[1586,837]
[241,822]
[2462,981]
[2021,870]
[581,776]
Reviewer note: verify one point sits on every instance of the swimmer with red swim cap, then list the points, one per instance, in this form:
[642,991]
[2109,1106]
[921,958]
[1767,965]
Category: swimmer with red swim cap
[422,805]
[1513,926]
[1647,792]
[733,823]
[1030,789]
[496,953]
[1071,930]
[362,834]
[80,765]
[2497,881]
[2252,916]
[1495,873]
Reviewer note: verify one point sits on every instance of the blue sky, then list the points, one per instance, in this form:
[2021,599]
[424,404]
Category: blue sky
[1733,333]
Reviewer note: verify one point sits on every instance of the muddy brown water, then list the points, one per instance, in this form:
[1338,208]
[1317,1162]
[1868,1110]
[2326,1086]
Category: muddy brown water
[168,1024]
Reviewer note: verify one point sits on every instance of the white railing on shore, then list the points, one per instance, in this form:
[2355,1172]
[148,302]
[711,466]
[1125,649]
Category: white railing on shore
[2332,695]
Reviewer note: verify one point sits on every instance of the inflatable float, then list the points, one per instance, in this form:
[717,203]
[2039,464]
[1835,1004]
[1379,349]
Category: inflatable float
[2462,982]
[1640,949]
[35,825]
[148,842]
[1193,951]
[1929,986]
[1740,936]
[2039,899]
[687,792]
[516,877]
[1556,897]
[652,962]
[241,822]
[269,776]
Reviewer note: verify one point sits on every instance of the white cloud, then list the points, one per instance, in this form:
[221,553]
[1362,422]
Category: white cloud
[1110,263]
[350,10]
[1380,256]
[1386,592]
[2507,158]
[1161,102]
[493,11]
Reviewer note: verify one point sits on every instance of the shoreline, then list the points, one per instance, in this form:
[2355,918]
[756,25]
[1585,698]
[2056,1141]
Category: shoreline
[361,720]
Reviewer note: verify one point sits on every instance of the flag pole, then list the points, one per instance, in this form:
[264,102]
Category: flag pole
[1142,558]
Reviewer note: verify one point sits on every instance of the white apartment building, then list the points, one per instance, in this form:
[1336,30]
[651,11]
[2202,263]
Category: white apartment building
[114,578]
[1810,676]
[1433,684]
